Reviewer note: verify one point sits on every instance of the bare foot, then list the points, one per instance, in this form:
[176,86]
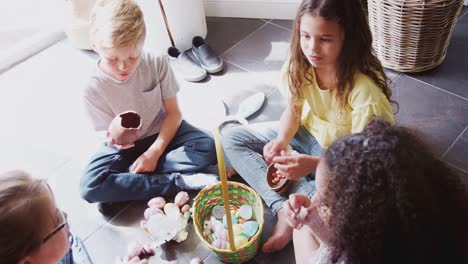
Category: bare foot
[281,235]
[231,172]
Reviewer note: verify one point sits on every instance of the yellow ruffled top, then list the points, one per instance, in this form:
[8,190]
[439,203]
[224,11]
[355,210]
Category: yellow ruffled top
[321,115]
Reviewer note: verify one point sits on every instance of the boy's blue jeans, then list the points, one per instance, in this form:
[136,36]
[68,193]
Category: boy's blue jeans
[107,177]
[243,147]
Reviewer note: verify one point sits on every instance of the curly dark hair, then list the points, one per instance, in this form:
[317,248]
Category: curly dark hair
[393,201]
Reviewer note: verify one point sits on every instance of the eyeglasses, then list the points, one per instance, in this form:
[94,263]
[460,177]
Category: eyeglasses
[64,223]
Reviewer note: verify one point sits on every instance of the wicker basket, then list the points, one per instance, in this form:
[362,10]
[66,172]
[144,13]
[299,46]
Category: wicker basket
[236,194]
[239,194]
[412,35]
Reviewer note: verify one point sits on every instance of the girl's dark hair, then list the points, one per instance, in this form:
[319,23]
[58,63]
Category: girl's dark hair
[392,201]
[356,55]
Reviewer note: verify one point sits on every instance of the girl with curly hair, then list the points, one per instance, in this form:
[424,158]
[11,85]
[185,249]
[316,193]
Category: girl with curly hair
[381,197]
[334,85]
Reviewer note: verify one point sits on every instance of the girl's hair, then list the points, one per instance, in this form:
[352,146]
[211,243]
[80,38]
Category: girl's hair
[23,215]
[117,23]
[356,54]
[392,201]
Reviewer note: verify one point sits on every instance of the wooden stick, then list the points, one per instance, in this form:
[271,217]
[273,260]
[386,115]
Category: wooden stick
[224,186]
[166,23]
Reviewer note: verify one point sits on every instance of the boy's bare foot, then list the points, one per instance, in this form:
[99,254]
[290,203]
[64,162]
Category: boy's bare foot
[281,235]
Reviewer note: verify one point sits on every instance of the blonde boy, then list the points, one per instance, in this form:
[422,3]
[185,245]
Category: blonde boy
[126,78]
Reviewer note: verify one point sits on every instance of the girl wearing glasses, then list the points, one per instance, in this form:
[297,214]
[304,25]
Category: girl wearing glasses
[381,197]
[32,230]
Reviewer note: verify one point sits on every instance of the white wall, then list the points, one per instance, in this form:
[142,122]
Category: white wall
[272,9]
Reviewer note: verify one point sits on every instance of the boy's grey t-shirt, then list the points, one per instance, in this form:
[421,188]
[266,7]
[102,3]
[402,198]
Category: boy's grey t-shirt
[152,81]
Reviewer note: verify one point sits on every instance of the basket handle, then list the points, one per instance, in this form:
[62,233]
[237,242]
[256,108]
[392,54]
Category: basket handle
[224,185]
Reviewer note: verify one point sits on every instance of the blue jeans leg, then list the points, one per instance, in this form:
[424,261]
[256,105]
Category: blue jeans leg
[107,177]
[243,146]
[304,143]
[190,150]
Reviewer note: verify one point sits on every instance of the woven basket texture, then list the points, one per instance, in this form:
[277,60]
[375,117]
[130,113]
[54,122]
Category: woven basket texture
[239,194]
[412,35]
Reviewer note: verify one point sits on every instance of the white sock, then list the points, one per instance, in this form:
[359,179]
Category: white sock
[196,181]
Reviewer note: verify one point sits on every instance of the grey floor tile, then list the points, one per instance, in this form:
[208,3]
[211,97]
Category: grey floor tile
[223,33]
[285,256]
[211,259]
[460,33]
[19,154]
[264,51]
[391,74]
[452,74]
[463,12]
[287,24]
[112,241]
[458,153]
[438,115]
[84,218]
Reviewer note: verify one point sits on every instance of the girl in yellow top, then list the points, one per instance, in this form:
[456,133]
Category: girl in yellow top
[334,85]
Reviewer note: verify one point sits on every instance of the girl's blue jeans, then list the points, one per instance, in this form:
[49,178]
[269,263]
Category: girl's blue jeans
[243,147]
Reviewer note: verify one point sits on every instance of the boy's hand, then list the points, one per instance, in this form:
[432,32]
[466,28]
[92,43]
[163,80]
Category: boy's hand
[146,163]
[295,166]
[110,143]
[273,149]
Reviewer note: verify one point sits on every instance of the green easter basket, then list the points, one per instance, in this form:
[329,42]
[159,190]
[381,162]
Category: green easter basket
[227,193]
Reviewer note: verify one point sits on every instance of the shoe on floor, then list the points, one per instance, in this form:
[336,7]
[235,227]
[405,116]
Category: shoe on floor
[208,59]
[185,66]
[195,181]
[251,105]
